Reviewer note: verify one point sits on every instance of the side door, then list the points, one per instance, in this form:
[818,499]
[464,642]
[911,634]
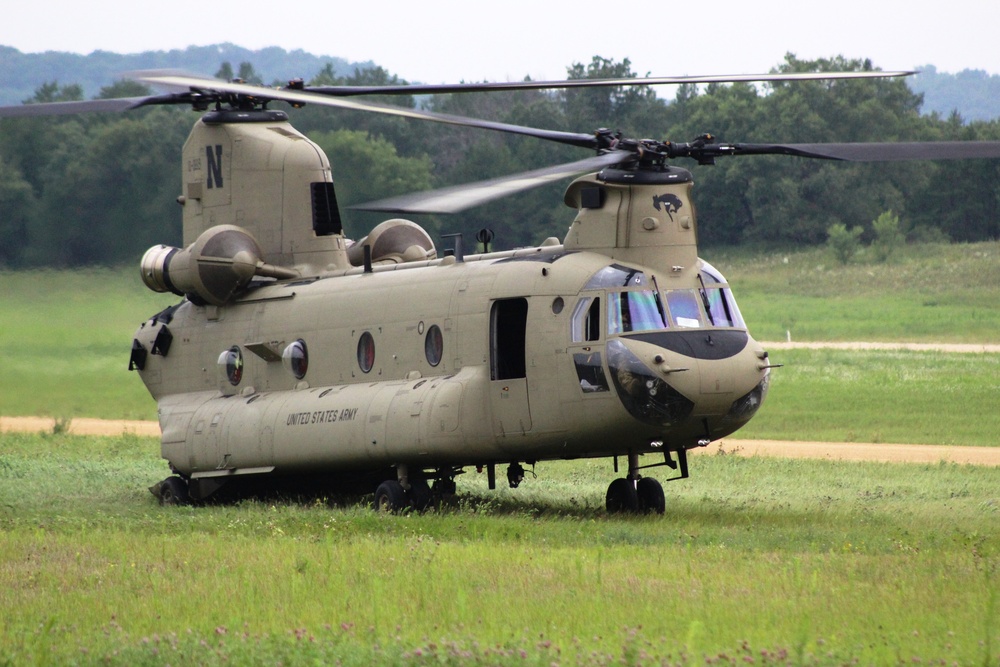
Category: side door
[508,367]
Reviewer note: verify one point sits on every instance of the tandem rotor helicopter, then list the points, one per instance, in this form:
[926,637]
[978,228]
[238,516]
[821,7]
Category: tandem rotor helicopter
[297,354]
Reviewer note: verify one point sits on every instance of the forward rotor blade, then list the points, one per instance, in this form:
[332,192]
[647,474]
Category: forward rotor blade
[869,152]
[66,108]
[432,89]
[302,97]
[460,197]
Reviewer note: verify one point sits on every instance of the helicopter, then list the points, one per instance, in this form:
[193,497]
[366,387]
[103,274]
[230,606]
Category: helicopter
[296,354]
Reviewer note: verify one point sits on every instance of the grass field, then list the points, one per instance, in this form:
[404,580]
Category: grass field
[928,293]
[781,562]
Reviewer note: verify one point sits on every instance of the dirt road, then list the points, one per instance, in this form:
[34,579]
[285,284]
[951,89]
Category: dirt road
[834,451]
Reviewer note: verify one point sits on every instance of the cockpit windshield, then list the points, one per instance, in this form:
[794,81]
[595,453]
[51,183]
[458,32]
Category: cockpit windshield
[720,305]
[635,310]
[636,303]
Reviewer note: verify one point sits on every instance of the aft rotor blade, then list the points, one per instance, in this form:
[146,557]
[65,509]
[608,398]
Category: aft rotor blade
[66,108]
[432,89]
[460,197]
[868,152]
[302,97]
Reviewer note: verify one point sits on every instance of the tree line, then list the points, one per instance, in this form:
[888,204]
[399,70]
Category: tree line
[78,190]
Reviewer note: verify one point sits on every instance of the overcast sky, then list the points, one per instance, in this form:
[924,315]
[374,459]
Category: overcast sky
[439,41]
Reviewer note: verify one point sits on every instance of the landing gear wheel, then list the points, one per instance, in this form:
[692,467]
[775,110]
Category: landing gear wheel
[443,488]
[622,497]
[650,496]
[390,497]
[419,494]
[172,491]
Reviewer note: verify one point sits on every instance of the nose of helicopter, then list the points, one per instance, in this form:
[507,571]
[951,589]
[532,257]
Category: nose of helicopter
[717,378]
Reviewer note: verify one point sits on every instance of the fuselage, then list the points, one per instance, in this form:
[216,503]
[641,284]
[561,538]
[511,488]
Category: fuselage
[522,356]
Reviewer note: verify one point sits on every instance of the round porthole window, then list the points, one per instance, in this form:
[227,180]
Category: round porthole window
[366,352]
[433,345]
[296,359]
[231,363]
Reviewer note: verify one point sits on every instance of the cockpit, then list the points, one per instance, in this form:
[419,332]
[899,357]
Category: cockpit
[699,324]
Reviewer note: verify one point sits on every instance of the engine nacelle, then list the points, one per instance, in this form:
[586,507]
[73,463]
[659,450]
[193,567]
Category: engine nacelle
[214,269]
[394,241]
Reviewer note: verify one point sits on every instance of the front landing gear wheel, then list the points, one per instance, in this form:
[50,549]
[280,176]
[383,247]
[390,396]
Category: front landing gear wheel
[650,496]
[171,491]
[390,497]
[622,497]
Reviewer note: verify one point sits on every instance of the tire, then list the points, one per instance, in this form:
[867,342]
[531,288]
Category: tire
[622,497]
[650,494]
[173,491]
[420,493]
[390,497]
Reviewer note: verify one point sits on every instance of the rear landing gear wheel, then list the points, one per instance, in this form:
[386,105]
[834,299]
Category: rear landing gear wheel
[420,493]
[622,497]
[172,491]
[390,497]
[650,496]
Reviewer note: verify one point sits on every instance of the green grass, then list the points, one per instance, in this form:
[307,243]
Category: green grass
[936,293]
[65,338]
[812,562]
[881,396]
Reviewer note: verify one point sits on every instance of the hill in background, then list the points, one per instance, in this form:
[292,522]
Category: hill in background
[22,73]
[974,94]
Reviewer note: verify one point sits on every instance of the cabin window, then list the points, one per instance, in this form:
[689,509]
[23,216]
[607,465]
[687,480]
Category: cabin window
[296,359]
[433,345]
[366,352]
[508,333]
[586,323]
[590,372]
[231,363]
[638,310]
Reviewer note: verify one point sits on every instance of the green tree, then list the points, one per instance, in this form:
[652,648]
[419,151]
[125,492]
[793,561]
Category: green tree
[17,208]
[635,110]
[888,235]
[844,242]
[111,191]
[225,72]
[124,88]
[53,92]
[790,200]
[366,168]
[247,74]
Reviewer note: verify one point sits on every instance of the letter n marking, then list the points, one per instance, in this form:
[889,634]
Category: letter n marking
[214,160]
